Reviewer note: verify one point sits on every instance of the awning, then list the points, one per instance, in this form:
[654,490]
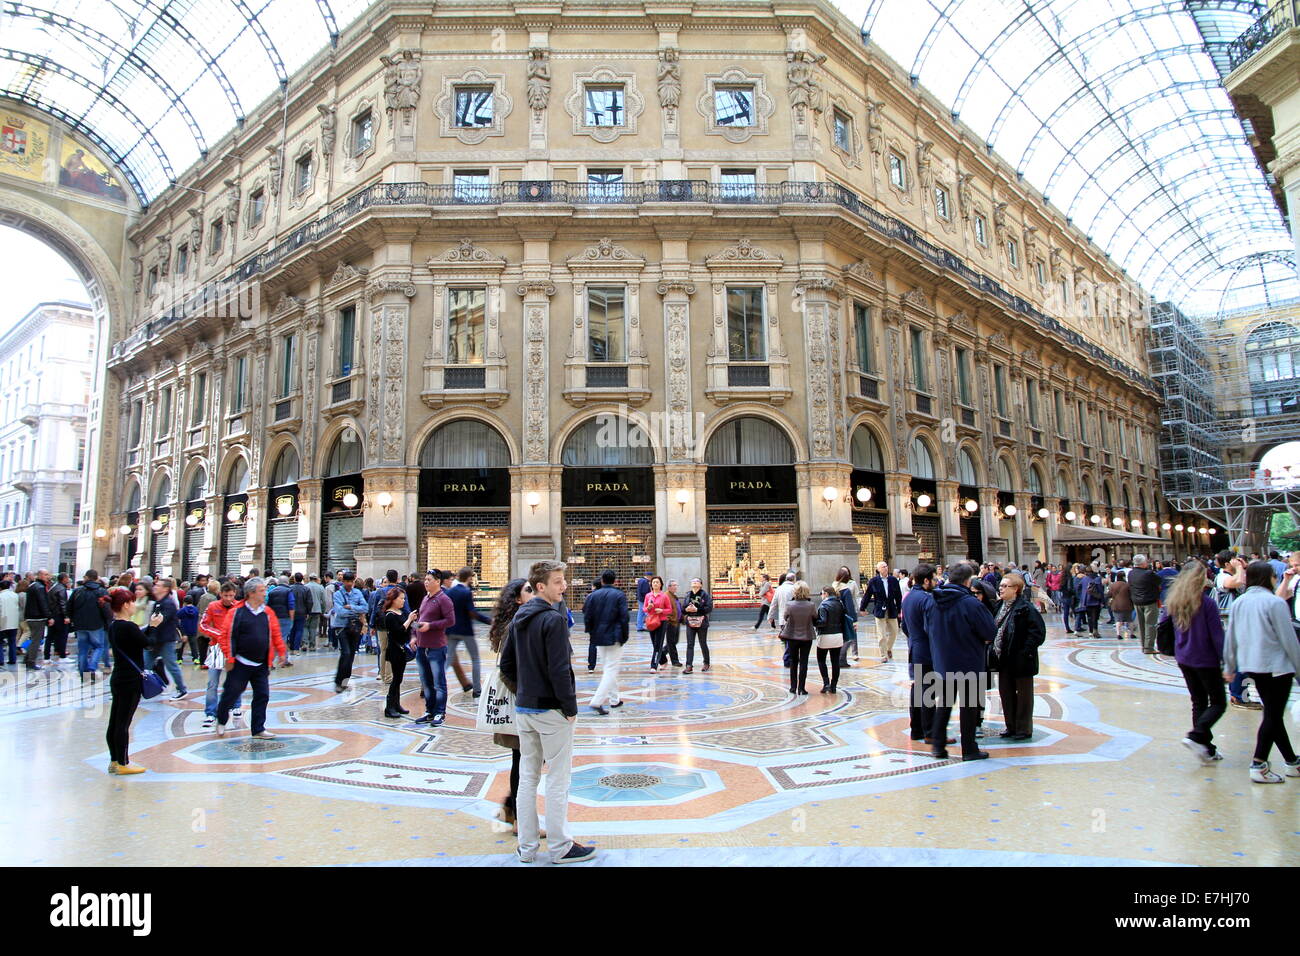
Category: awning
[1073,534]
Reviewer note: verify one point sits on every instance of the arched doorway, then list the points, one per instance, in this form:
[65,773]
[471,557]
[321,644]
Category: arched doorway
[282,511]
[607,500]
[159,561]
[968,494]
[196,518]
[870,517]
[131,530]
[234,513]
[925,501]
[341,495]
[752,505]
[465,502]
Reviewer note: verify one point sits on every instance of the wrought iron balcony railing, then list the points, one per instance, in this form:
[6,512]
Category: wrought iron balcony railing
[1261,32]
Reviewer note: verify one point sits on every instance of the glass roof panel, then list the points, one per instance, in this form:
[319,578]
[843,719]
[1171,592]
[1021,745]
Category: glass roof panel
[1114,109]
[155,82]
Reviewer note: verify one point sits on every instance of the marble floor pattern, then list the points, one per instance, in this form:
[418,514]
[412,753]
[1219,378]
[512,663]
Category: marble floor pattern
[722,768]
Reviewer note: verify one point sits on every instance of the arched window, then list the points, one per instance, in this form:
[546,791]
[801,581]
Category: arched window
[1035,481]
[285,471]
[865,451]
[1128,502]
[966,473]
[345,456]
[1086,487]
[1107,494]
[1273,364]
[1142,500]
[1004,476]
[749,441]
[198,485]
[1062,485]
[163,493]
[237,483]
[920,463]
[607,441]
[133,498]
[465,443]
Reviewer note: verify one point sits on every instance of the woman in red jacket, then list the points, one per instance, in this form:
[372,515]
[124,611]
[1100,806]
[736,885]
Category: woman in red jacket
[657,608]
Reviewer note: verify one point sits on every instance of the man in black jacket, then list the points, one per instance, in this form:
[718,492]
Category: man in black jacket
[56,636]
[90,619]
[537,661]
[1144,588]
[38,617]
[604,614]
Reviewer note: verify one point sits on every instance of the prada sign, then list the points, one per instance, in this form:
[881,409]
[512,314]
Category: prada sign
[751,485]
[608,488]
[465,488]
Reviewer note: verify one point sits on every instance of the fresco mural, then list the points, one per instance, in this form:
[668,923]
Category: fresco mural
[24,143]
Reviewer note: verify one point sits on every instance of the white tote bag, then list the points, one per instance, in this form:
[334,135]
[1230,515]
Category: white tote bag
[496,707]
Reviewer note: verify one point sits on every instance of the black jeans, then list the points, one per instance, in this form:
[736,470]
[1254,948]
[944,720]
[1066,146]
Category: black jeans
[201,641]
[397,662]
[672,632]
[697,633]
[591,655]
[513,796]
[56,637]
[968,719]
[1093,613]
[850,638]
[347,651]
[921,707]
[799,651]
[834,654]
[1273,693]
[1209,701]
[1017,695]
[764,613]
[657,645]
[126,698]
[236,680]
[9,638]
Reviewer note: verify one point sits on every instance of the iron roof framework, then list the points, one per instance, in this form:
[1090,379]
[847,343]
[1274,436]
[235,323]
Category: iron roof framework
[153,83]
[1114,109]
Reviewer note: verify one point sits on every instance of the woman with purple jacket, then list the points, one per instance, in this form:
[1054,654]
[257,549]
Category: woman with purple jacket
[1198,649]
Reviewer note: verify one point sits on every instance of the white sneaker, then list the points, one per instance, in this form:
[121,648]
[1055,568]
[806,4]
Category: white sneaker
[237,712]
[1293,768]
[1259,773]
[208,722]
[1200,750]
[179,695]
[265,735]
[221,730]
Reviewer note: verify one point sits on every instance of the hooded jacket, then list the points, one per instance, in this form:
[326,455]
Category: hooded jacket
[959,628]
[536,659]
[85,610]
[916,605]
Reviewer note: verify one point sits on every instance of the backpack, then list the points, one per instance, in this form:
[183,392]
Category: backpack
[1095,590]
[1223,597]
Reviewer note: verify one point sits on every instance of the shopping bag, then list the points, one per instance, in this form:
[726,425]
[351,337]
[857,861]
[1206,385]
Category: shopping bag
[496,707]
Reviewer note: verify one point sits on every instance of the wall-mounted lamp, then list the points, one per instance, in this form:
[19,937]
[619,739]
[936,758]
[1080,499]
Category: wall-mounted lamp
[971,506]
[1165,527]
[829,494]
[1043,513]
[1070,516]
[533,499]
[682,497]
[100,533]
[384,500]
[1136,523]
[1178,527]
[156,525]
[863,495]
[1117,522]
[1095,519]
[191,520]
[1009,511]
[1151,526]
[233,515]
[283,507]
[350,500]
[125,529]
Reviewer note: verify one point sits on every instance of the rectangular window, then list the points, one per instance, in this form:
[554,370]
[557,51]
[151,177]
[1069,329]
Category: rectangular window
[182,259]
[606,324]
[1105,431]
[963,376]
[473,106]
[981,231]
[897,171]
[162,424]
[363,133]
[76,512]
[466,326]
[1040,272]
[746,339]
[1123,438]
[470,185]
[137,417]
[200,398]
[239,387]
[347,339]
[256,207]
[604,105]
[918,360]
[843,132]
[738,183]
[1081,423]
[1060,412]
[1031,398]
[733,106]
[862,333]
[81,454]
[152,287]
[302,174]
[1000,389]
[1065,292]
[605,184]
[942,205]
[217,236]
[288,364]
[1013,254]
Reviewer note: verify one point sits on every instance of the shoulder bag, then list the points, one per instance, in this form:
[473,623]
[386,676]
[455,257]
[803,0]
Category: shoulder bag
[496,707]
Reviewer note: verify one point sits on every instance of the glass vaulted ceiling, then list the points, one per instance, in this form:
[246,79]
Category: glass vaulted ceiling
[1115,111]
[155,83]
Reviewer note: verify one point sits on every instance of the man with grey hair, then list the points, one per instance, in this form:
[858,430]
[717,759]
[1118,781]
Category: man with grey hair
[1144,588]
[38,616]
[251,643]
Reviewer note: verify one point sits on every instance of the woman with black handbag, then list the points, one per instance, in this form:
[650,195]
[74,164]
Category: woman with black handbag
[126,682]
[397,651]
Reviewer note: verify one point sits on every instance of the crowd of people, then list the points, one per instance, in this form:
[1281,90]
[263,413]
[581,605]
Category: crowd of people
[1225,620]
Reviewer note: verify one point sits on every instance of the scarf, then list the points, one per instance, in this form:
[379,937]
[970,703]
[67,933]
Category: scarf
[1003,621]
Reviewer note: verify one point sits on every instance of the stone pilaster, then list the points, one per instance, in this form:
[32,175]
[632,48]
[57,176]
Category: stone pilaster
[828,540]
[681,524]
[948,504]
[386,541]
[254,528]
[535,501]
[304,556]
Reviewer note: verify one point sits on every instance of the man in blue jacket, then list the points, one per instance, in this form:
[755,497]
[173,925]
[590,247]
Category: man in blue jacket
[959,628]
[348,616]
[884,594]
[604,614]
[462,632]
[916,604]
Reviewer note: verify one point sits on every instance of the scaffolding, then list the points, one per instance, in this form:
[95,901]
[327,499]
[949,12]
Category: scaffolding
[1209,433]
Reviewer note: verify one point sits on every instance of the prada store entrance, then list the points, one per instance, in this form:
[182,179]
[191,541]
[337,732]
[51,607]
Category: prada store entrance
[607,497]
[753,515]
[465,503]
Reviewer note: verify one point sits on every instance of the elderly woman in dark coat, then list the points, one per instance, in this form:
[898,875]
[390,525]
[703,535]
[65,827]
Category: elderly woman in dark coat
[1020,632]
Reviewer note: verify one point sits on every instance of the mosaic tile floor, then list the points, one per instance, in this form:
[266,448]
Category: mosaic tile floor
[701,769]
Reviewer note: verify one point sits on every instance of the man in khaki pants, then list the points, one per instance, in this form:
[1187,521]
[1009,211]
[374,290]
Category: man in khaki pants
[376,615]
[886,596]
